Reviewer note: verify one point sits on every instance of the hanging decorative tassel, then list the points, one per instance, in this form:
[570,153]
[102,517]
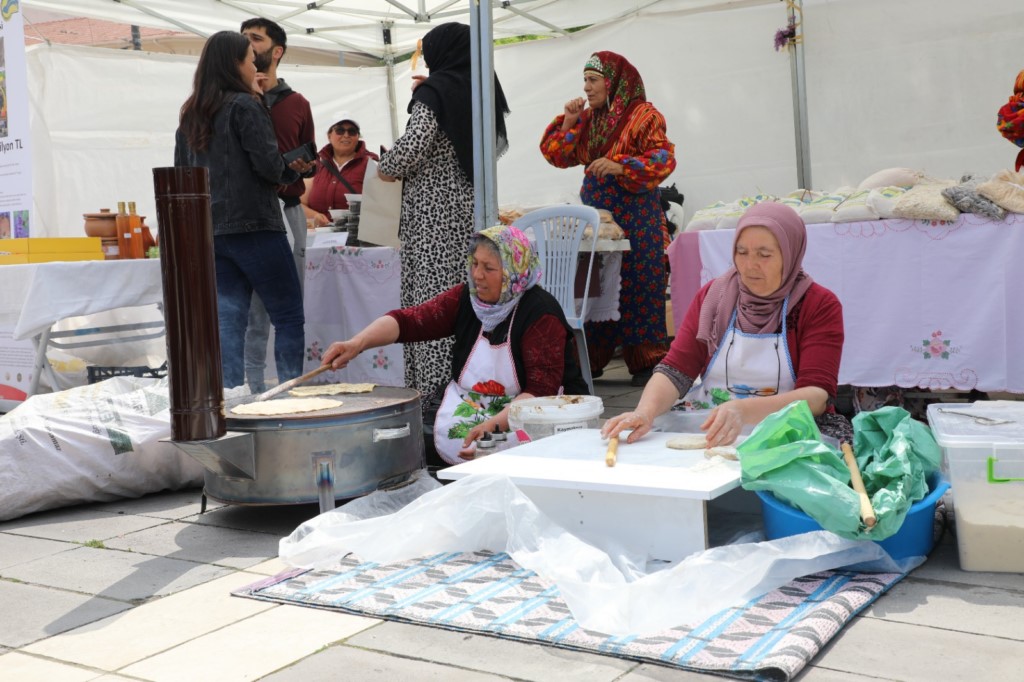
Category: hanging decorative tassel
[790,33]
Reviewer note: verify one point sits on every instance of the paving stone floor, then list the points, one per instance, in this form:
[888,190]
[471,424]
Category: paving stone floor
[139,590]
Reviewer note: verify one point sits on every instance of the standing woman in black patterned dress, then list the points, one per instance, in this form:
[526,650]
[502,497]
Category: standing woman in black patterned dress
[434,158]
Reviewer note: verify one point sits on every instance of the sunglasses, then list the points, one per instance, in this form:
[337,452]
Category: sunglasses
[346,130]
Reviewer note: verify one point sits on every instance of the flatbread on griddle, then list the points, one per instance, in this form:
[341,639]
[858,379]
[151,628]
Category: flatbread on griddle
[285,406]
[688,441]
[331,389]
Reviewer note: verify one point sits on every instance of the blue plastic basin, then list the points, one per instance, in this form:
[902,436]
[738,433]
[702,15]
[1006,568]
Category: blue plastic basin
[915,538]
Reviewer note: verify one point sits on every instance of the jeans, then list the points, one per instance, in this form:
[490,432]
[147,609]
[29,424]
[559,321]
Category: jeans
[258,332]
[259,262]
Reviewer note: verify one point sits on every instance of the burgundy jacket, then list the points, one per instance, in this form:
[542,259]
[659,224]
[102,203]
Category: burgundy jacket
[327,192]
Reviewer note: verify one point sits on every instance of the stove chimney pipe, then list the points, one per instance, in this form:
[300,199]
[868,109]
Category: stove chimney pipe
[190,303]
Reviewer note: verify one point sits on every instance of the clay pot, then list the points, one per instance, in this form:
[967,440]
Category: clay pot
[102,224]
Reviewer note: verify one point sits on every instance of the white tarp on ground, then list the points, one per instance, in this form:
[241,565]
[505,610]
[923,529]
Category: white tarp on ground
[915,83]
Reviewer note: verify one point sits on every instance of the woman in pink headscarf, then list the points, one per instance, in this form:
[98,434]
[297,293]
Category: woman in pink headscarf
[759,337]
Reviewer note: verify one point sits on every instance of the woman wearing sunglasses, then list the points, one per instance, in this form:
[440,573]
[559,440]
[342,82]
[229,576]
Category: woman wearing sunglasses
[761,336]
[340,170]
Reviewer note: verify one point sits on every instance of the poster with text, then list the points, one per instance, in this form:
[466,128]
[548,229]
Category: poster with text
[15,159]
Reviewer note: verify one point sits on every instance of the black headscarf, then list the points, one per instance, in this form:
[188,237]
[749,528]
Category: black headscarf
[448,91]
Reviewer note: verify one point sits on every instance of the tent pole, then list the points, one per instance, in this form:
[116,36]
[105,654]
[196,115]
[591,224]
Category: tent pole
[485,188]
[389,64]
[799,86]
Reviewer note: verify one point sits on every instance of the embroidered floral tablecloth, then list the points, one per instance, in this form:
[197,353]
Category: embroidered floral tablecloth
[346,288]
[927,304]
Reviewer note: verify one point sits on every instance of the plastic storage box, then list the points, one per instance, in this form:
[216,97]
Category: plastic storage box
[983,444]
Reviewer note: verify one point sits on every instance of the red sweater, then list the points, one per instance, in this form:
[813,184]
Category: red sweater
[541,347]
[814,335]
[326,192]
[293,125]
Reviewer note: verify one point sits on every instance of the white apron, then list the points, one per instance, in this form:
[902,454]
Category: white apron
[462,407]
[744,366]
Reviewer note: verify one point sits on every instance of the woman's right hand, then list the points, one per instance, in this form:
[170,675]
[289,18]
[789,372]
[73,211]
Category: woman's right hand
[639,422]
[320,220]
[573,110]
[340,353]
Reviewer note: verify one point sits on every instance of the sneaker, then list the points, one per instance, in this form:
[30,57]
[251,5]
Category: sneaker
[641,378]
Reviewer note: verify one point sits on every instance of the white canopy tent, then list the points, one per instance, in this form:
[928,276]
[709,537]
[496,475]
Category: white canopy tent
[914,83]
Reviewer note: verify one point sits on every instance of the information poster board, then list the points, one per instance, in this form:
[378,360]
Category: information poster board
[15,154]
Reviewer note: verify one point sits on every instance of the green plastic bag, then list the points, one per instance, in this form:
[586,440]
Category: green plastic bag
[786,457]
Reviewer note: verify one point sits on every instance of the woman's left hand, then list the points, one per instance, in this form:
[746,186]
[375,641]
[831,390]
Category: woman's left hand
[385,178]
[602,167]
[724,424]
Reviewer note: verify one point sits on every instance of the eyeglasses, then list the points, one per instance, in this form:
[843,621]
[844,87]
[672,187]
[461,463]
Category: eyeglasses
[345,130]
[746,391]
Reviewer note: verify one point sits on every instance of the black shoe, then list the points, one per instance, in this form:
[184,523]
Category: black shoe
[596,373]
[641,378]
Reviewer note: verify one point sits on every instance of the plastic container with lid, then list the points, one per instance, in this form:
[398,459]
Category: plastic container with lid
[983,444]
[540,417]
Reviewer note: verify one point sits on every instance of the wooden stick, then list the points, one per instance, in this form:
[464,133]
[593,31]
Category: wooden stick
[291,383]
[613,446]
[867,513]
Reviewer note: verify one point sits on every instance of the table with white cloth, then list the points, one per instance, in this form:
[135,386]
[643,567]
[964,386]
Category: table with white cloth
[927,304]
[346,288]
[37,296]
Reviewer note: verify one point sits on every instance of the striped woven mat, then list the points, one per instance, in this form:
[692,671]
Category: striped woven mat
[770,638]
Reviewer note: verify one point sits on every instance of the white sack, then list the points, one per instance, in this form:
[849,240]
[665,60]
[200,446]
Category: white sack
[605,591]
[90,444]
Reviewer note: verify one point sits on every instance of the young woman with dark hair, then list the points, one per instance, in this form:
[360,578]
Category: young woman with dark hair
[224,127]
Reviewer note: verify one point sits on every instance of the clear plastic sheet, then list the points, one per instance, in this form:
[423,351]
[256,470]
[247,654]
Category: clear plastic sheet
[606,591]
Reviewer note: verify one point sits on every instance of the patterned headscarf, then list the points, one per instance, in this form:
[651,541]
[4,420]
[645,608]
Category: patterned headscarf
[625,91]
[1010,120]
[520,271]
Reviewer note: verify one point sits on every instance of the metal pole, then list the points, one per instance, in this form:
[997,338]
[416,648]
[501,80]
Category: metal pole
[485,186]
[799,86]
[389,64]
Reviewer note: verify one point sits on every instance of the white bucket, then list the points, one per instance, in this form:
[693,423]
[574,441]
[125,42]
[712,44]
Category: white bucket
[540,417]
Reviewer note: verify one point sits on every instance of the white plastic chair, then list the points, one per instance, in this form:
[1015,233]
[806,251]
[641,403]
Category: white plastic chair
[557,232]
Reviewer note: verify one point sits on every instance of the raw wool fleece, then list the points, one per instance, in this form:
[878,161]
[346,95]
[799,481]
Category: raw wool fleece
[925,202]
[966,198]
[1006,189]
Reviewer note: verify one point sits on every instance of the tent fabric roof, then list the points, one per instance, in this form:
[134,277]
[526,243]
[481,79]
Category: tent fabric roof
[357,25]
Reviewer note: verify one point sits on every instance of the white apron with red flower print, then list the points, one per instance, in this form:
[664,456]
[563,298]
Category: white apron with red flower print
[487,384]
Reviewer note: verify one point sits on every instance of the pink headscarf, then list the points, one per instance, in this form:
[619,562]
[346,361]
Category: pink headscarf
[758,314]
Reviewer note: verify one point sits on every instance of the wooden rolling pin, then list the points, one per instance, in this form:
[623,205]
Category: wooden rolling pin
[291,383]
[613,446]
[867,512]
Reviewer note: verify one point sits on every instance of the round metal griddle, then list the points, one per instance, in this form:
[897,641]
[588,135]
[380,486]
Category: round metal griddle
[380,398]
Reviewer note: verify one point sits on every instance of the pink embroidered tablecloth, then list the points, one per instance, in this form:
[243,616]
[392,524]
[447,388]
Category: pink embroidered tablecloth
[926,304]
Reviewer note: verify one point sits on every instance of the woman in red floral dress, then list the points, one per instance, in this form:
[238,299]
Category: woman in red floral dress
[1010,119]
[619,137]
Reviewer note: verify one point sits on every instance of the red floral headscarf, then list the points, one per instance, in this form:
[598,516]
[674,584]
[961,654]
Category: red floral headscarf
[1010,121]
[625,90]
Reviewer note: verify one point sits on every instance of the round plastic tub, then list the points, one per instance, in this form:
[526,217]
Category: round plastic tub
[915,538]
[541,417]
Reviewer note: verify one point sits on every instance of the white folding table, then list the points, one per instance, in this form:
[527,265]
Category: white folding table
[653,500]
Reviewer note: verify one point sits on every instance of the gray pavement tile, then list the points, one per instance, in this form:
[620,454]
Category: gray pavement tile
[373,666]
[200,543]
[31,612]
[975,609]
[165,505]
[659,673]
[826,674]
[77,524]
[518,660]
[912,653]
[114,574]
[944,565]
[278,520]
[18,549]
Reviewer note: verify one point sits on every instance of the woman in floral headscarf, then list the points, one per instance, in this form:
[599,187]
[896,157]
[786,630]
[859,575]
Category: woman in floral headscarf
[620,140]
[511,340]
[1010,120]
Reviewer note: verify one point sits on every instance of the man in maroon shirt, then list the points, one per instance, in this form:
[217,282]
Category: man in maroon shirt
[293,125]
